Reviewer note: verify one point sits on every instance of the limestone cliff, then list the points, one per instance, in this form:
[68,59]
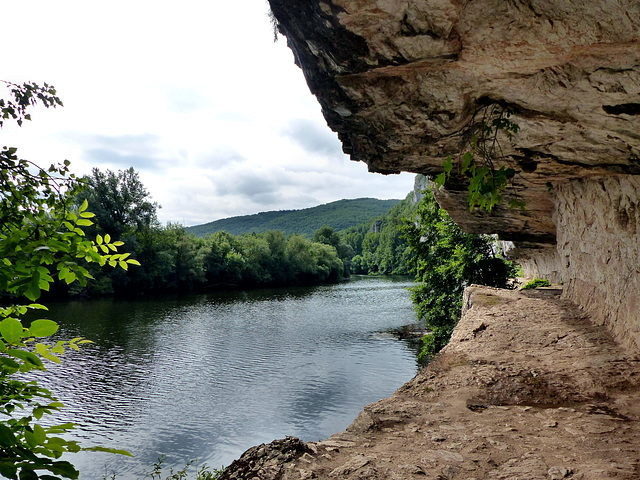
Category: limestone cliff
[402,80]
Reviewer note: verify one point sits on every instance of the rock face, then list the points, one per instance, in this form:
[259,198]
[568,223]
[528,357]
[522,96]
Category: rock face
[267,461]
[404,83]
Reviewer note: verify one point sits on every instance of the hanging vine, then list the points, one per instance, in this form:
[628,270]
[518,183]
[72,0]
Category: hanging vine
[479,163]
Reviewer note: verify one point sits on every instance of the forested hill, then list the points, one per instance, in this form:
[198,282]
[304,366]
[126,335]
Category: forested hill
[337,215]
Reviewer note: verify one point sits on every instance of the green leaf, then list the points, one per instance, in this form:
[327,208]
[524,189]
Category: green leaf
[43,328]
[11,330]
[33,290]
[8,365]
[31,441]
[467,160]
[25,356]
[108,450]
[62,274]
[8,469]
[65,469]
[37,306]
[84,206]
[43,351]
[28,474]
[61,428]
[448,165]
[7,438]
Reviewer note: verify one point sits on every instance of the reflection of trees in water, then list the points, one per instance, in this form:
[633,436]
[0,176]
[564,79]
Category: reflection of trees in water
[210,375]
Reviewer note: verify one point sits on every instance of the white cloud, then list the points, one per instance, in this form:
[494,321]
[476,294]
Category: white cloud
[195,95]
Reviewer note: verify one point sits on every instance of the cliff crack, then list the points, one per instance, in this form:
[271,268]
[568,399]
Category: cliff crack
[622,109]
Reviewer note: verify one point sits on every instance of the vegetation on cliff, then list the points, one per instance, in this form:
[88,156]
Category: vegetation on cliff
[445,260]
[379,246]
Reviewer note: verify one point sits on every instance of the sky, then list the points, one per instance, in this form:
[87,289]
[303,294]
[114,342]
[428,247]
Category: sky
[194,95]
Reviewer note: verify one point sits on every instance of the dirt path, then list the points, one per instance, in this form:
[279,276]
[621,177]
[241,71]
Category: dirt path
[527,389]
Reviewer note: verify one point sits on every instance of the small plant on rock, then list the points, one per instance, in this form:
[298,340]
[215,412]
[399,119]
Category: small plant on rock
[538,282]
[480,164]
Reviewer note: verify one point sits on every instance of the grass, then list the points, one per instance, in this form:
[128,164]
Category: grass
[199,472]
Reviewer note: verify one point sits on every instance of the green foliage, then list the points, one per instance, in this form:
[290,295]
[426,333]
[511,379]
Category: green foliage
[538,282]
[445,260]
[487,182]
[378,245]
[41,240]
[326,235]
[337,215]
[23,96]
[519,271]
[119,200]
[174,260]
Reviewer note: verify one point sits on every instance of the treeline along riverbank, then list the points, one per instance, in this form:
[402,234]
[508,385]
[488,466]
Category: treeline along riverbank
[174,260]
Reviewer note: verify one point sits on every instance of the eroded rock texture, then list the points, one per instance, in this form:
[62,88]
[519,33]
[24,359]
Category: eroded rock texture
[403,82]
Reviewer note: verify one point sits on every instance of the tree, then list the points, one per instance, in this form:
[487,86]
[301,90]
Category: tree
[119,200]
[445,260]
[377,247]
[41,237]
[327,236]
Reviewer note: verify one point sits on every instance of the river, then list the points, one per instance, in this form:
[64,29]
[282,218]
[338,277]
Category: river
[208,376]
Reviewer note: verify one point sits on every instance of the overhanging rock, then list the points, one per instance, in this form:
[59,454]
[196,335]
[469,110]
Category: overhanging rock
[401,81]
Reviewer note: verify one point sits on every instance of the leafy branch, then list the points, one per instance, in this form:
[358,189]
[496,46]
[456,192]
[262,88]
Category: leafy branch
[26,95]
[487,181]
[41,237]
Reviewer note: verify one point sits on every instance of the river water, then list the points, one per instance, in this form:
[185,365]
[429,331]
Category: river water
[209,376]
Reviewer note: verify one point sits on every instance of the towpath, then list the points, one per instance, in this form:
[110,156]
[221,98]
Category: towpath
[528,388]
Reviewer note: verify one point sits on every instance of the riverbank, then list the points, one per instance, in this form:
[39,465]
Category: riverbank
[528,388]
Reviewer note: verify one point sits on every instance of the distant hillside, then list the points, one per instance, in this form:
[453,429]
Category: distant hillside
[338,215]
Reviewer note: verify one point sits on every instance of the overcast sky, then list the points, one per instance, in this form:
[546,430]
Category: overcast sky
[194,95]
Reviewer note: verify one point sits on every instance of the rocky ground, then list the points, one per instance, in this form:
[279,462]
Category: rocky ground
[528,388]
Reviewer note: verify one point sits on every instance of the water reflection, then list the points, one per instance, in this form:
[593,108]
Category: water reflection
[210,375]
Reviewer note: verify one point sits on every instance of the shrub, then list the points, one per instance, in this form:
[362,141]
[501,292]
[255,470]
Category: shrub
[538,282]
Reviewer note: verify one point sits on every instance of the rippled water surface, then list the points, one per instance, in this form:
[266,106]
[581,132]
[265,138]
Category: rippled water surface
[209,376]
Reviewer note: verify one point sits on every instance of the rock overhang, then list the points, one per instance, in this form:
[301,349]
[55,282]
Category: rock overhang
[401,81]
